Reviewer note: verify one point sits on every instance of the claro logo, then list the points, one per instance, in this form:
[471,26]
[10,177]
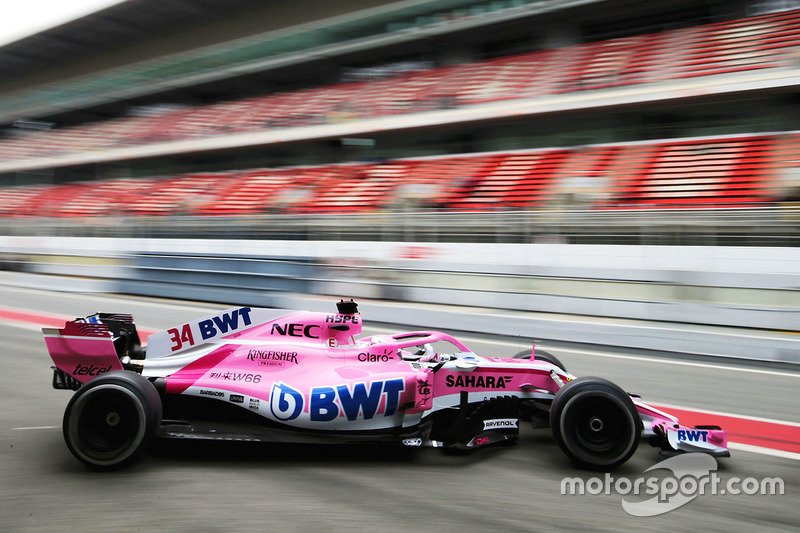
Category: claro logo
[374,357]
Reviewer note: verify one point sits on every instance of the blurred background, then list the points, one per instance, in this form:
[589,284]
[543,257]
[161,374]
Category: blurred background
[609,158]
[617,180]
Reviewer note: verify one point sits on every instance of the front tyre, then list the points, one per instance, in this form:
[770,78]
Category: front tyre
[595,423]
[112,419]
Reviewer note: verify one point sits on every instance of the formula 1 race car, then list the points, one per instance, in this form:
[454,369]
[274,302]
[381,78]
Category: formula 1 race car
[267,375]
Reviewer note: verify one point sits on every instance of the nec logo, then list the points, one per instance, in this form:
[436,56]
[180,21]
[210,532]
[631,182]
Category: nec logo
[294,330]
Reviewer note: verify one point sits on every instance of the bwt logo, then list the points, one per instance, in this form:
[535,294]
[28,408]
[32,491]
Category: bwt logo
[285,402]
[692,435]
[223,323]
[327,403]
[211,327]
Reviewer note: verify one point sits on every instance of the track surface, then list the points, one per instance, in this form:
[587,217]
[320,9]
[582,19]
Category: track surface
[257,487]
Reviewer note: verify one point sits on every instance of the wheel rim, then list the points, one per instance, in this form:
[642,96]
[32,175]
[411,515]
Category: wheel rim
[597,425]
[108,425]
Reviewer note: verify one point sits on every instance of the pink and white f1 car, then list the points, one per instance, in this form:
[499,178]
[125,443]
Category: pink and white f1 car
[267,375]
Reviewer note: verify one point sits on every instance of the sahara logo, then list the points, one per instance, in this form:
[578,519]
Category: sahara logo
[478,381]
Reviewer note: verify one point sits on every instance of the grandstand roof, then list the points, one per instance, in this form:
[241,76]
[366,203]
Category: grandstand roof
[114,27]
[145,47]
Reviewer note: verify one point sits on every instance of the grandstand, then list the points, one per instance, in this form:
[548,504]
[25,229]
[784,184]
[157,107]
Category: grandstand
[606,121]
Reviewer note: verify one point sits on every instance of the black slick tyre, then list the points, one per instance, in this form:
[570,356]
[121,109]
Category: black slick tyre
[595,423]
[112,419]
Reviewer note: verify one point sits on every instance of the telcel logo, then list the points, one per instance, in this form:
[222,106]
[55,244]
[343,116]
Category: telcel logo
[91,370]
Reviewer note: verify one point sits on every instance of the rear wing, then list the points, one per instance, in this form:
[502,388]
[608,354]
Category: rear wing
[91,346]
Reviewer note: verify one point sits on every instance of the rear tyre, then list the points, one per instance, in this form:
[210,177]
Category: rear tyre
[112,419]
[595,423]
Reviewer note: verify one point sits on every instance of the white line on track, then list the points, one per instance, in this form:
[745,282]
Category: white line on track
[117,298]
[723,413]
[633,325]
[34,427]
[23,325]
[763,451]
[658,360]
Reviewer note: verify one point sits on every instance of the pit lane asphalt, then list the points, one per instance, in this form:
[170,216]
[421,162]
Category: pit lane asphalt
[186,486]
